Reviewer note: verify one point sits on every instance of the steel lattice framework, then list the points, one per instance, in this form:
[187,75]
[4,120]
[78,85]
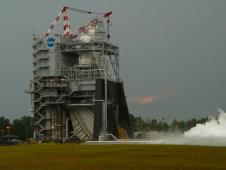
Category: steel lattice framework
[65,71]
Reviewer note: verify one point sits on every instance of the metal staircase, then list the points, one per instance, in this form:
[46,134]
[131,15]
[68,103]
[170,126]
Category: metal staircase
[82,121]
[43,98]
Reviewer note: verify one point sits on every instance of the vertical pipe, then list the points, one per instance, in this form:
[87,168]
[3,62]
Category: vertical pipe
[105,104]
[108,28]
[67,128]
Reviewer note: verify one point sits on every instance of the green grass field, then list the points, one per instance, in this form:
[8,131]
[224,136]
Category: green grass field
[88,157]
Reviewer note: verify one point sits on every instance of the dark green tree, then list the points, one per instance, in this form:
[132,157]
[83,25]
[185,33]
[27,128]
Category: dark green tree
[23,127]
[154,125]
[163,126]
[137,123]
[3,125]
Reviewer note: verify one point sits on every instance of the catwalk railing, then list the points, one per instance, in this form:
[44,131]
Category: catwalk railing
[78,75]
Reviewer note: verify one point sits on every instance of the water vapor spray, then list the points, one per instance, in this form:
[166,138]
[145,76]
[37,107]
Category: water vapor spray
[211,133]
[214,128]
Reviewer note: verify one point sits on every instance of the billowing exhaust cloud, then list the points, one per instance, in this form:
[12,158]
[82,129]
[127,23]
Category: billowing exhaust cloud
[214,128]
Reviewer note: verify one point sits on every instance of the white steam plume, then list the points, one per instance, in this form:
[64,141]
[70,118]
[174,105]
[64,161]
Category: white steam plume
[214,128]
[211,133]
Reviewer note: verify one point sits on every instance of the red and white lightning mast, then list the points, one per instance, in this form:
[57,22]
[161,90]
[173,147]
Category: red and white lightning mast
[67,28]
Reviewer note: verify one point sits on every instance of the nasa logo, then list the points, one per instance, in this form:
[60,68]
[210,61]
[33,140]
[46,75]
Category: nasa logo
[50,42]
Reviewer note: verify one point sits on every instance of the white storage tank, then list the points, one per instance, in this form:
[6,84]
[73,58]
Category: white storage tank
[86,59]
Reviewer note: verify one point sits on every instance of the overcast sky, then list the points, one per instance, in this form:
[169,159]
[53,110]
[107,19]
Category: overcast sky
[172,53]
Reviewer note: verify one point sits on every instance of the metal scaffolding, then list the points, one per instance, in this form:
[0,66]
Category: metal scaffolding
[66,69]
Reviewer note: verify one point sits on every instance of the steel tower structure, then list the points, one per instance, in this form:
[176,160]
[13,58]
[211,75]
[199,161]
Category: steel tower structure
[76,90]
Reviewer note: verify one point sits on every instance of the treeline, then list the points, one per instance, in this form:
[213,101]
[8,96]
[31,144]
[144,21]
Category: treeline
[22,127]
[140,125]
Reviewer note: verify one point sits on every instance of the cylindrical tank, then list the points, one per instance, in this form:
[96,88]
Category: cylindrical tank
[100,31]
[94,32]
[85,38]
[86,59]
